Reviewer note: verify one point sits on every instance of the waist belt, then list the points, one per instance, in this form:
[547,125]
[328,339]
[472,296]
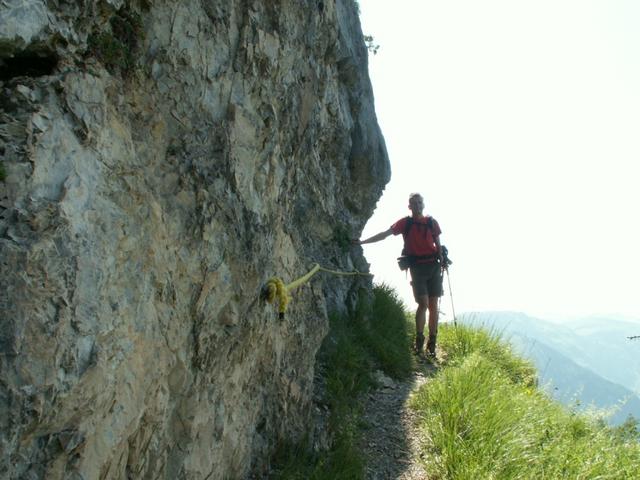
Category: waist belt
[416,259]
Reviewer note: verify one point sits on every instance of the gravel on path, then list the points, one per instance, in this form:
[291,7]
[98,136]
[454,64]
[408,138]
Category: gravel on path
[391,439]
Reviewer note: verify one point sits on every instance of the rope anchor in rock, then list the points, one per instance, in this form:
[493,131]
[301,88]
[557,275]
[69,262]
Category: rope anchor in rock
[275,288]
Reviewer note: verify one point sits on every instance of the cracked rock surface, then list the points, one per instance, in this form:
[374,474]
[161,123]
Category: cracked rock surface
[163,160]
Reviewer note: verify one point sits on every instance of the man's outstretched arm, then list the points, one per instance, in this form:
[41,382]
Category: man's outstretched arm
[376,238]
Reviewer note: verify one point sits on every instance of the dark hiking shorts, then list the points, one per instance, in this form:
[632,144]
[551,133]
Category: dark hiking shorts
[426,279]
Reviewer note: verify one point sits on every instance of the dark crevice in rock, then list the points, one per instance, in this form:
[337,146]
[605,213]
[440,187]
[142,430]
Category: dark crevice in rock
[28,64]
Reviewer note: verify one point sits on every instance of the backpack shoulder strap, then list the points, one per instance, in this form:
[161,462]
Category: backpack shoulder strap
[407,226]
[405,234]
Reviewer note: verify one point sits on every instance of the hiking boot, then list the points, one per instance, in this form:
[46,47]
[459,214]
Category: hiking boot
[431,345]
[419,343]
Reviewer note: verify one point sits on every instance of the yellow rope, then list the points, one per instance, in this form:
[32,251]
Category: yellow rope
[275,289]
[304,279]
[337,272]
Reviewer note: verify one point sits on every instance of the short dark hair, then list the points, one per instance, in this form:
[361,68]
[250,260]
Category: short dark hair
[414,195]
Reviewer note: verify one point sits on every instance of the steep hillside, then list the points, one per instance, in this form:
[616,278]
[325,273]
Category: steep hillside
[587,360]
[483,417]
[163,160]
[574,385]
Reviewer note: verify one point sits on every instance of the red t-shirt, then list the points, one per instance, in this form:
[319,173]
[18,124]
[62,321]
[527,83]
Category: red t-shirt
[421,239]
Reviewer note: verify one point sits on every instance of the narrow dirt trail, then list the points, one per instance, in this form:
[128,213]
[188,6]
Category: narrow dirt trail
[391,439]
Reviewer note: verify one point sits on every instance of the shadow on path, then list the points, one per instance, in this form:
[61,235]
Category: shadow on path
[390,437]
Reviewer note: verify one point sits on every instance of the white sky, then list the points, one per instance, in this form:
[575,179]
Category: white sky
[519,122]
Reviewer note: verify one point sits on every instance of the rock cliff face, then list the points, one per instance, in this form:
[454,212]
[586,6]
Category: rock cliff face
[162,160]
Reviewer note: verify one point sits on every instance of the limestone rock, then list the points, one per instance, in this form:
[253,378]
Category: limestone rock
[163,160]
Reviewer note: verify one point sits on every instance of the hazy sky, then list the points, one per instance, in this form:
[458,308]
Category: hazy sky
[519,122]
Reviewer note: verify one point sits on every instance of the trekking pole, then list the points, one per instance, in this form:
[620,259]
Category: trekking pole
[453,310]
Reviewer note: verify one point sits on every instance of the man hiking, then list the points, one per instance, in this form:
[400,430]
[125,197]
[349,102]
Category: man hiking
[423,253]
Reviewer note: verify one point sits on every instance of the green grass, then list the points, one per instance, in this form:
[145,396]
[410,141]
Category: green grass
[461,341]
[346,369]
[389,335]
[482,415]
[375,337]
[342,461]
[484,418]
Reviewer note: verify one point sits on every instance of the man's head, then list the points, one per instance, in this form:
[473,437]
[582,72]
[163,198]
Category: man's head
[416,203]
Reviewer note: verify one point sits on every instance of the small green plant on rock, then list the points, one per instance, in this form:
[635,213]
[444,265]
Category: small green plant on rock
[117,48]
[342,238]
[371,45]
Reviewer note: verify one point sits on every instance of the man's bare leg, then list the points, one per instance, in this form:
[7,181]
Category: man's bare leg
[433,324]
[421,317]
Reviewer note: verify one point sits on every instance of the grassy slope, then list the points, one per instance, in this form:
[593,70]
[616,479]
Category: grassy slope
[482,414]
[483,418]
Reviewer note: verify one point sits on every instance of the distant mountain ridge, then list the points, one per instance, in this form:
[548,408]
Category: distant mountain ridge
[587,360]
